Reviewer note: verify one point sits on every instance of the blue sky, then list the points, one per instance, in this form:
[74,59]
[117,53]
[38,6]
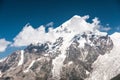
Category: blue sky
[15,14]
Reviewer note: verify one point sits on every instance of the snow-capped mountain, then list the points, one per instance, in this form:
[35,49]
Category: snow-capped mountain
[77,50]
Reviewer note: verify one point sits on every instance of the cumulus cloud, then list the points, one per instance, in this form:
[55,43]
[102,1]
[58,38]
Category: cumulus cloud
[30,35]
[75,25]
[3,44]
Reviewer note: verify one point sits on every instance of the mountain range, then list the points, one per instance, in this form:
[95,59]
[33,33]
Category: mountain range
[76,50]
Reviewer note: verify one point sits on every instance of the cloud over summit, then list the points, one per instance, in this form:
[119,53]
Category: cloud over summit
[3,44]
[28,34]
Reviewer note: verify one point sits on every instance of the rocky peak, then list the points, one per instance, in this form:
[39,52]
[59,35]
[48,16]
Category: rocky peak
[74,53]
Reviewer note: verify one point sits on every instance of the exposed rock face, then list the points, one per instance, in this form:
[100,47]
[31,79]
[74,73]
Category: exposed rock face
[76,51]
[116,77]
[38,59]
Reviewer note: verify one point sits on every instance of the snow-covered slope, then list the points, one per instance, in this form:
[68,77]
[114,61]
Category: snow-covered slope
[76,50]
[108,66]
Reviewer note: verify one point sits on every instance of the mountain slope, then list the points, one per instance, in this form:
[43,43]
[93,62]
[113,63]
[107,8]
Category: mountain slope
[77,51]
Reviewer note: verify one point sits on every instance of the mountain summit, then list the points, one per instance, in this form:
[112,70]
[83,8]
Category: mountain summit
[76,50]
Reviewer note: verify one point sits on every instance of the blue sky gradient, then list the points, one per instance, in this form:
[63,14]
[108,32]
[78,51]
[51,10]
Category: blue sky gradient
[15,14]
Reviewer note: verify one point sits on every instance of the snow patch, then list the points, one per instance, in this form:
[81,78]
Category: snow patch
[87,72]
[1,60]
[71,62]
[0,74]
[21,61]
[31,64]
[82,42]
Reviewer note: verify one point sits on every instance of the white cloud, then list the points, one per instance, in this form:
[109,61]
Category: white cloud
[105,28]
[75,25]
[31,35]
[50,24]
[28,35]
[95,21]
[85,17]
[3,45]
[118,28]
